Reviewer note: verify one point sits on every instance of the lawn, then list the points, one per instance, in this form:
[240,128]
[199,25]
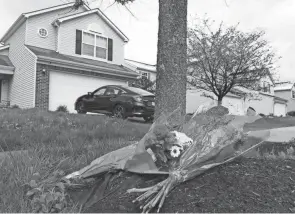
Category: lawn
[51,138]
[69,142]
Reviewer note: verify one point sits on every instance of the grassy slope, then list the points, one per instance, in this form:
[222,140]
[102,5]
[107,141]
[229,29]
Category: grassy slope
[52,137]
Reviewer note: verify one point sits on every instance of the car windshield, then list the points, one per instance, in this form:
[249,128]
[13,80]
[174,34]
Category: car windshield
[139,91]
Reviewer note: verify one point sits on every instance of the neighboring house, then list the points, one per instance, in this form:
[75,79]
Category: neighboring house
[263,101]
[240,99]
[52,56]
[286,90]
[143,69]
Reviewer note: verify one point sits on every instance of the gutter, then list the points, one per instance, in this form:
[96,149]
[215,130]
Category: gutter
[21,19]
[10,68]
[85,67]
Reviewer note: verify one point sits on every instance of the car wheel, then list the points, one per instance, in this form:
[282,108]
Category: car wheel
[80,108]
[119,112]
[148,119]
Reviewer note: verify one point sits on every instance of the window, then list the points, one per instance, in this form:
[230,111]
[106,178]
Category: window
[43,32]
[145,75]
[293,94]
[100,92]
[112,91]
[265,87]
[94,45]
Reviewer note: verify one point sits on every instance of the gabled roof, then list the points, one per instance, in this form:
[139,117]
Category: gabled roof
[52,57]
[141,65]
[23,17]
[99,13]
[283,86]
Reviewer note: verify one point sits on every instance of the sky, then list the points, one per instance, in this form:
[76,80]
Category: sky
[140,23]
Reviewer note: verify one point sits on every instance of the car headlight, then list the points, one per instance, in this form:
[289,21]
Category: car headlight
[138,99]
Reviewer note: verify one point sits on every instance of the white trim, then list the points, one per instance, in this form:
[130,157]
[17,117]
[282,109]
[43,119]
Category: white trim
[35,72]
[24,16]
[4,47]
[88,75]
[101,14]
[92,68]
[94,55]
[6,71]
[9,68]
[42,28]
[46,10]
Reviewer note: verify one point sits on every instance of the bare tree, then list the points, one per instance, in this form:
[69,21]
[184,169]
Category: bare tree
[222,59]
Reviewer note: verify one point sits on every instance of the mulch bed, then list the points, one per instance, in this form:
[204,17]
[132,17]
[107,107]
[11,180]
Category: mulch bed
[245,185]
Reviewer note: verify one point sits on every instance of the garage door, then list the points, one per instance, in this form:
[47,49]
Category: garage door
[279,109]
[65,88]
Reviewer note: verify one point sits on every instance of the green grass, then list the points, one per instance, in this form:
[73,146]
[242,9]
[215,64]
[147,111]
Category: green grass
[51,138]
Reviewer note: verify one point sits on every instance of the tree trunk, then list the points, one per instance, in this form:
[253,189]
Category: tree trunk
[219,101]
[171,57]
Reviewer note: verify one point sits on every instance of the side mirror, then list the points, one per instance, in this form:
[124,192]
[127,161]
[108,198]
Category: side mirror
[90,94]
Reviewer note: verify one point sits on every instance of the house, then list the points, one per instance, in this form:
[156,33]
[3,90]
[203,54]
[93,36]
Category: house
[286,90]
[143,69]
[263,101]
[51,56]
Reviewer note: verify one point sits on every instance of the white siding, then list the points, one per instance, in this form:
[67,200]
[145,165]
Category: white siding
[65,88]
[67,37]
[265,105]
[153,76]
[45,21]
[22,85]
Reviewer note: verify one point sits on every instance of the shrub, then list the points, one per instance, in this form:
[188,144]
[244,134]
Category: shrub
[291,113]
[14,107]
[62,108]
[262,115]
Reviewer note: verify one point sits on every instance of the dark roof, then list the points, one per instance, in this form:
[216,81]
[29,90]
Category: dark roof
[5,61]
[41,52]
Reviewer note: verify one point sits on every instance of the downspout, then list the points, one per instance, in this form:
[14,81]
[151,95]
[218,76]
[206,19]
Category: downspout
[55,24]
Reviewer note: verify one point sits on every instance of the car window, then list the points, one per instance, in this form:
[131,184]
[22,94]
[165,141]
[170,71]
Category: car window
[100,92]
[112,91]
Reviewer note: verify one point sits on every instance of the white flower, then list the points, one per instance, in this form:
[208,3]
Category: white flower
[182,139]
[175,151]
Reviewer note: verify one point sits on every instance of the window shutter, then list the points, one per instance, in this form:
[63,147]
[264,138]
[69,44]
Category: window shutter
[78,42]
[110,50]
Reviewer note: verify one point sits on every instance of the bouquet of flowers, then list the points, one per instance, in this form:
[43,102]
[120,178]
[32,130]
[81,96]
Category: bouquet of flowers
[182,150]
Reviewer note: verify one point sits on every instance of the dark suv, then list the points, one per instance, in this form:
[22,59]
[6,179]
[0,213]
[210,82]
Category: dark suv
[119,101]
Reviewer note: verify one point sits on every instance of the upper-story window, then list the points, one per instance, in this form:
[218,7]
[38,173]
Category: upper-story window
[94,45]
[265,87]
[293,94]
